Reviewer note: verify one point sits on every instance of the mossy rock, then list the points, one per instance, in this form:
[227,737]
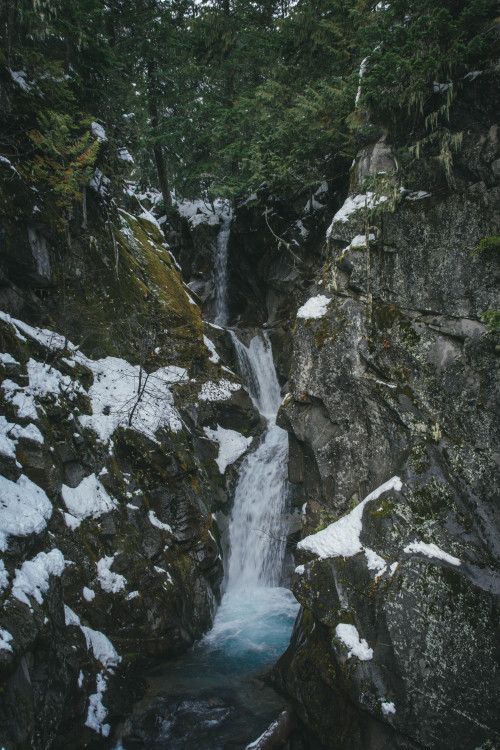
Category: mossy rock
[122,290]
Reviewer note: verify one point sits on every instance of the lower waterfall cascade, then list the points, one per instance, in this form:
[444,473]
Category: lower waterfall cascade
[257,544]
[211,698]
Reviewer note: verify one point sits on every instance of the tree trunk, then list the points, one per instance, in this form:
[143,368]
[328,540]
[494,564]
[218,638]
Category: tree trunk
[161,168]
[159,157]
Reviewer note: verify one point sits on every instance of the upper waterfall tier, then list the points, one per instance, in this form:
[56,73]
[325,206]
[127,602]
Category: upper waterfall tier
[258,371]
[220,271]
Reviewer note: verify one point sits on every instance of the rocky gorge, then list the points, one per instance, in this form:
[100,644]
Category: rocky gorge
[392,416]
[115,504]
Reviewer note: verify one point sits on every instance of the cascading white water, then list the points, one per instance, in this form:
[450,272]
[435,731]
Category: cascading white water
[257,546]
[258,371]
[220,270]
[255,531]
[256,614]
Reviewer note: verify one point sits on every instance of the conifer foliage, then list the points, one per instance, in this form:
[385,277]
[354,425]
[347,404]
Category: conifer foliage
[218,97]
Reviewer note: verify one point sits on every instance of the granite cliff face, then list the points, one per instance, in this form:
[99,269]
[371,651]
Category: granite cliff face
[395,375]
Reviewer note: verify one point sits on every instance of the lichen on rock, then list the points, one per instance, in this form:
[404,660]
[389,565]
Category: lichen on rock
[399,376]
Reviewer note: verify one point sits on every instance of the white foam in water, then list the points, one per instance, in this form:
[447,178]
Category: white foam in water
[253,626]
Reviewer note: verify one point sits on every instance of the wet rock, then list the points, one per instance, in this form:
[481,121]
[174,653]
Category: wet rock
[235,413]
[400,377]
[375,159]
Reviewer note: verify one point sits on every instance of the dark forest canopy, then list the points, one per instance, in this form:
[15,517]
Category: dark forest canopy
[217,98]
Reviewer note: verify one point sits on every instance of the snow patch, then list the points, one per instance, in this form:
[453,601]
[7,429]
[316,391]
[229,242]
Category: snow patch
[110,582]
[375,562]
[418,195]
[30,432]
[5,638]
[359,241]
[96,712]
[43,380]
[114,394]
[220,391]
[48,339]
[125,155]
[302,229]
[88,500]
[197,212]
[361,73]
[99,182]
[232,445]
[354,203]
[261,741]
[148,216]
[8,163]
[24,509]
[101,646]
[439,88]
[99,132]
[341,538]
[388,707]
[88,594]
[315,307]
[4,576]
[432,550]
[382,382]
[154,521]
[21,399]
[472,75]
[7,359]
[19,77]
[350,638]
[33,577]
[214,357]
[70,617]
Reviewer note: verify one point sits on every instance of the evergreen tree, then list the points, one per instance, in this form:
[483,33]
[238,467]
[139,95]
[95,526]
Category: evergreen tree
[283,129]
[220,96]
[418,55]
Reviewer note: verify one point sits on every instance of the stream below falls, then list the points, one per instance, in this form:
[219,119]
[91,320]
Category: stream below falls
[213,697]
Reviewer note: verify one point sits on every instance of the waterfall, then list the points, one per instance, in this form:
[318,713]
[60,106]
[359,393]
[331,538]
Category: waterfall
[255,530]
[220,270]
[255,616]
[259,374]
[256,533]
